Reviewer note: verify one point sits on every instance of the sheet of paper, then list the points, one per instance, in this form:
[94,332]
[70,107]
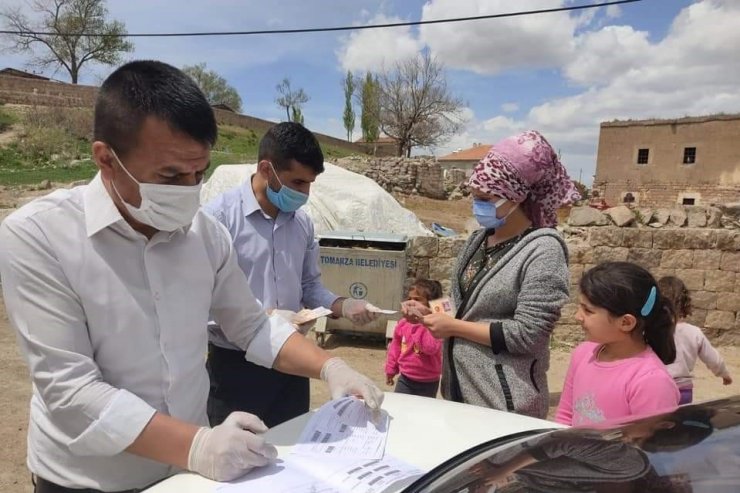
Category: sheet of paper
[344,428]
[375,309]
[307,315]
[297,474]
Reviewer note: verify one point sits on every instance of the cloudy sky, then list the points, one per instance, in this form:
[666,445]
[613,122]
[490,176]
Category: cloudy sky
[560,73]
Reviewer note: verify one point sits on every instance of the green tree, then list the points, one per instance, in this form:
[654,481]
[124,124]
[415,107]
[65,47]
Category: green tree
[297,114]
[290,99]
[348,84]
[67,45]
[215,87]
[370,104]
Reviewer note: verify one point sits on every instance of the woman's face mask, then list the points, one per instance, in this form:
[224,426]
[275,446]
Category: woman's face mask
[286,199]
[163,207]
[486,215]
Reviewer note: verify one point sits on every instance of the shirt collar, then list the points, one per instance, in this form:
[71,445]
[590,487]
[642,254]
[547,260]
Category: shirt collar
[250,204]
[249,201]
[100,211]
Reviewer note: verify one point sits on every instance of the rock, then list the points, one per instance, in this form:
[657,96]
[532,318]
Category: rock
[715,217]
[621,215]
[44,185]
[678,217]
[660,218]
[697,217]
[587,216]
[643,215]
[731,210]
[456,194]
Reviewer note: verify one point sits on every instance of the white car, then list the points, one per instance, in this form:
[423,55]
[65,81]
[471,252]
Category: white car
[423,432]
[468,449]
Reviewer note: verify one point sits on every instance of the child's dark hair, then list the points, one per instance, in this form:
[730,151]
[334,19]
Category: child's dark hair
[675,290]
[623,288]
[432,289]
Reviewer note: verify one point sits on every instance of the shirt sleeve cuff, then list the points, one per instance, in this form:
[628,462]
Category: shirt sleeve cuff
[269,340]
[498,342]
[119,424]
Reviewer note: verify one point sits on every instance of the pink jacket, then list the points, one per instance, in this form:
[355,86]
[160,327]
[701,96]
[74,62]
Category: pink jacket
[414,353]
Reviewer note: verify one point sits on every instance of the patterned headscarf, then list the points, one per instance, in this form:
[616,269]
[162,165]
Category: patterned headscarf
[525,169]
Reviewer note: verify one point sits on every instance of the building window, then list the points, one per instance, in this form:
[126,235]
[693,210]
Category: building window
[688,201]
[628,198]
[642,156]
[689,155]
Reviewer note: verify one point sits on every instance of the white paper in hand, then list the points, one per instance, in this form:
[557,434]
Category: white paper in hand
[375,309]
[306,315]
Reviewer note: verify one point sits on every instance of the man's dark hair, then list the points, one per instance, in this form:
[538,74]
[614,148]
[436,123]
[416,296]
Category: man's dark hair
[145,88]
[288,141]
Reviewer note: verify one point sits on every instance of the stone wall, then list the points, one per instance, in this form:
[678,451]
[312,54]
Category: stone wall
[417,176]
[708,261]
[17,90]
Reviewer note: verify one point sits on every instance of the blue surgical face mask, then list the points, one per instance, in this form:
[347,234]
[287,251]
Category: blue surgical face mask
[286,199]
[485,213]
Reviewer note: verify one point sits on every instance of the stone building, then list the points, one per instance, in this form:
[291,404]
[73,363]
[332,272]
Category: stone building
[688,161]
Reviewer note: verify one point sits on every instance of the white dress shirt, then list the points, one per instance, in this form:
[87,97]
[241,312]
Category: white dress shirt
[113,328]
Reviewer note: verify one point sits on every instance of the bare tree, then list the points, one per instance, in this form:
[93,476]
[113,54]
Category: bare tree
[290,99]
[67,44]
[416,106]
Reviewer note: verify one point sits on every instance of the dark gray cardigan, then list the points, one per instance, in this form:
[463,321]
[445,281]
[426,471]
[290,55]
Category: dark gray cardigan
[520,298]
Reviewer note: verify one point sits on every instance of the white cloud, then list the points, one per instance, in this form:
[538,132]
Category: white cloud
[373,49]
[510,107]
[493,45]
[601,55]
[693,70]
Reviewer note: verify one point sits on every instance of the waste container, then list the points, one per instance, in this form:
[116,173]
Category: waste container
[367,266]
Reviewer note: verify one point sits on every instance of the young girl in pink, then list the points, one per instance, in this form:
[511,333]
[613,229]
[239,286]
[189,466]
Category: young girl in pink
[691,343]
[620,372]
[414,352]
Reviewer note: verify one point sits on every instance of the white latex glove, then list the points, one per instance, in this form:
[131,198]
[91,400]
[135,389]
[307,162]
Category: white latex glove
[343,380]
[289,316]
[358,311]
[230,449]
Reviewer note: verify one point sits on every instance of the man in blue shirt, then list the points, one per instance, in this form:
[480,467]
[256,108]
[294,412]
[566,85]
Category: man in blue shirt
[275,247]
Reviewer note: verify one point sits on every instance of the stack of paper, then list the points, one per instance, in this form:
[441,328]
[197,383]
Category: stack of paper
[341,450]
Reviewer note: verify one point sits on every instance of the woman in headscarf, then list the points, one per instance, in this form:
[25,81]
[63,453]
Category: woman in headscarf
[510,282]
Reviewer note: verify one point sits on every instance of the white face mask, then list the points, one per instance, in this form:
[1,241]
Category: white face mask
[163,207]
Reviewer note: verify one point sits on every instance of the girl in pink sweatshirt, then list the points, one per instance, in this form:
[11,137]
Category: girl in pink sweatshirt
[414,352]
[691,343]
[619,372]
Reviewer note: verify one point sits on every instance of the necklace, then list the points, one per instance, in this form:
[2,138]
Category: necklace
[506,243]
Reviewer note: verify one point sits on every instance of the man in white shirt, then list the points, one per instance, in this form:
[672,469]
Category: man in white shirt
[110,287]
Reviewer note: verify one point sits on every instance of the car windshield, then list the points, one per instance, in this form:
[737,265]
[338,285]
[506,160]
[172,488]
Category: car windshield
[693,449]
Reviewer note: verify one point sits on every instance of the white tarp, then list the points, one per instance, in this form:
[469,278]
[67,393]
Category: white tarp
[340,200]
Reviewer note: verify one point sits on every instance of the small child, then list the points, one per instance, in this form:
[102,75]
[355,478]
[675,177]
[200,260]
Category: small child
[620,372]
[414,352]
[690,342]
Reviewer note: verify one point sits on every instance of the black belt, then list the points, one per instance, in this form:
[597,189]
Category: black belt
[44,486]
